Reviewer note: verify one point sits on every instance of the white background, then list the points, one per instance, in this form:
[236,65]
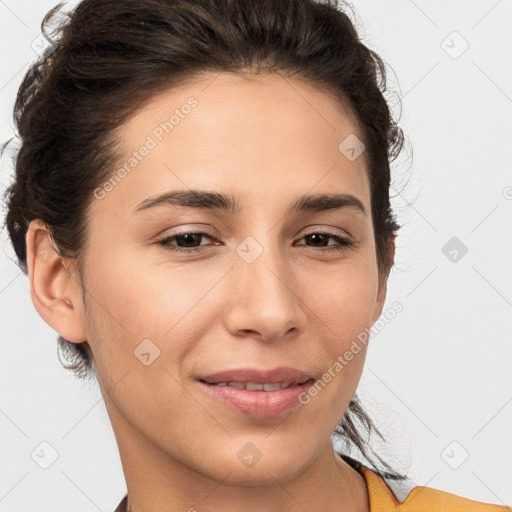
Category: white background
[439,373]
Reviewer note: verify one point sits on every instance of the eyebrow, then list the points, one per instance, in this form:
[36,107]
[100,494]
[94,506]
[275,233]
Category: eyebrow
[228,203]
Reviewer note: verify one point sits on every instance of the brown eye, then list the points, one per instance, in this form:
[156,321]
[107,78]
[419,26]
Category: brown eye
[186,242]
[321,239]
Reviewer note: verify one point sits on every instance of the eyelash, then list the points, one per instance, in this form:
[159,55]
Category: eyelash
[344,243]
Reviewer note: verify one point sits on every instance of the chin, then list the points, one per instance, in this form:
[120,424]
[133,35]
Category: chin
[251,466]
[259,475]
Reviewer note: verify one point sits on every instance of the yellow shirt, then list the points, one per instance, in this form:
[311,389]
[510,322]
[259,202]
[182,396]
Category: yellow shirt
[416,499]
[402,498]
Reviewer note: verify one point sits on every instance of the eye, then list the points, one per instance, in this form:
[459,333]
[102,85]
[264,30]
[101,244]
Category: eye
[322,238]
[187,241]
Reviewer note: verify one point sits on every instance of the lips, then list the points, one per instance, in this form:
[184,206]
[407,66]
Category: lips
[257,392]
[254,376]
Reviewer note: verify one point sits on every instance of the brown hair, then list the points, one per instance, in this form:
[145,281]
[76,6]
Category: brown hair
[108,57]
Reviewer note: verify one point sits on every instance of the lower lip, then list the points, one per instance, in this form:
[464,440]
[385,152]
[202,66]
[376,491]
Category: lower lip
[261,404]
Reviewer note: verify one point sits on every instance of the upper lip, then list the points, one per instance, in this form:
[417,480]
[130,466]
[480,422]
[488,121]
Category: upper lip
[258,375]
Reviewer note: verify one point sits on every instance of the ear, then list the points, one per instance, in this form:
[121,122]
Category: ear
[383,282]
[54,289]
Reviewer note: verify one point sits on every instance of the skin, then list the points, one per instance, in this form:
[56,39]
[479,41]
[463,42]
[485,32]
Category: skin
[298,304]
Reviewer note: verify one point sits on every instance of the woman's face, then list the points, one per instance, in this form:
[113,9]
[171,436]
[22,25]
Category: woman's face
[257,291]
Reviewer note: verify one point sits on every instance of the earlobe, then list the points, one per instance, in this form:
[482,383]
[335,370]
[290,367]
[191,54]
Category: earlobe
[54,290]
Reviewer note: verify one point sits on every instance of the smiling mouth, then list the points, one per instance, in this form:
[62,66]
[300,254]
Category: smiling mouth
[261,399]
[255,386]
[258,392]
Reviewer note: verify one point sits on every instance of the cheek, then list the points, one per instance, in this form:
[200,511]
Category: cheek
[343,296]
[137,309]
[341,307]
[141,300]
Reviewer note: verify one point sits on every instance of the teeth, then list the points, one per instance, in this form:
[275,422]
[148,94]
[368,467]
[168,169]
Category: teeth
[238,385]
[252,386]
[271,387]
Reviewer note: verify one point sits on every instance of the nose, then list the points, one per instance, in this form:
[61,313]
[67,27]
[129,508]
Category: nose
[264,298]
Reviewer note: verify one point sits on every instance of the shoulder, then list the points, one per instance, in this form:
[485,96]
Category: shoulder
[391,496]
[425,498]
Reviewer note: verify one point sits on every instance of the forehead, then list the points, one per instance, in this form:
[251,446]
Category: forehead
[248,134]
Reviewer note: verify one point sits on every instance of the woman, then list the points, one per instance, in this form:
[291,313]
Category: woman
[201,204]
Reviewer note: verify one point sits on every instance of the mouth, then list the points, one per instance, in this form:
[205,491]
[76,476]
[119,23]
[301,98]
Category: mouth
[257,392]
[255,386]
